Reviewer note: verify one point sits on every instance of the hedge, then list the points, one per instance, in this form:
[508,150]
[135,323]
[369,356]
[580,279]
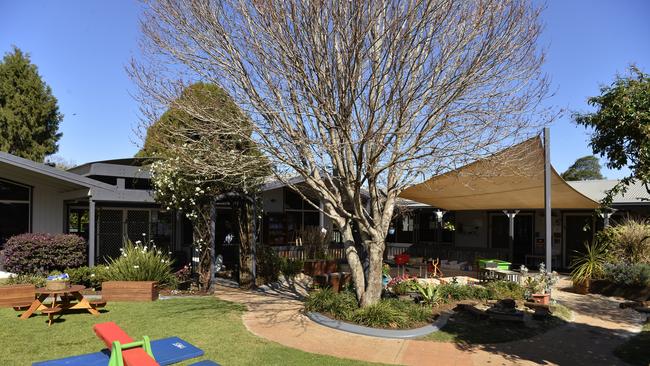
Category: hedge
[42,253]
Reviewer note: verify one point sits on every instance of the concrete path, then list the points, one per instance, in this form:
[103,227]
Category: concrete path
[599,326]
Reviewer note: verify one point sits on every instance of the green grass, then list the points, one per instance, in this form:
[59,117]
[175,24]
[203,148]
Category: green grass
[464,328]
[636,350]
[211,324]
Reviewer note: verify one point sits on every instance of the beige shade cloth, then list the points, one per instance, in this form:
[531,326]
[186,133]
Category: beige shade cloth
[510,179]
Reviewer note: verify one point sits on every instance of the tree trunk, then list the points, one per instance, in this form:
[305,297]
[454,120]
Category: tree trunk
[202,239]
[354,261]
[368,285]
[372,292]
[245,217]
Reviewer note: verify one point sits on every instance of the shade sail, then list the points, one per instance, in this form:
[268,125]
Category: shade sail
[510,179]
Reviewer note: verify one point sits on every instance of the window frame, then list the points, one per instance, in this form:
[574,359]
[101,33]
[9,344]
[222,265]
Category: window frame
[29,201]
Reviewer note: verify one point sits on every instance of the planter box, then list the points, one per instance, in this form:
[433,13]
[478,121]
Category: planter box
[319,267]
[130,290]
[12,295]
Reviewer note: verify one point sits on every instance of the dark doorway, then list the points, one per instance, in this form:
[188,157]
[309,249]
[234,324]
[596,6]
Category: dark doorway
[578,229]
[523,238]
[523,242]
[226,236]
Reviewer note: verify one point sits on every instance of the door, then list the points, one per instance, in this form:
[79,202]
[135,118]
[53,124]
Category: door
[578,230]
[109,234]
[523,238]
[523,242]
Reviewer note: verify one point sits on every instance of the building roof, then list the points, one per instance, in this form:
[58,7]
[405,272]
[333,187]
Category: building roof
[52,172]
[595,189]
[99,191]
[125,168]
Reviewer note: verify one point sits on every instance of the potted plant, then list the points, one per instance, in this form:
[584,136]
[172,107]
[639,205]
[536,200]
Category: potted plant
[538,287]
[588,265]
[57,282]
[402,286]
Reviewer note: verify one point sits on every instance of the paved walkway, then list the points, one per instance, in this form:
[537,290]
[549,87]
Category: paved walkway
[599,326]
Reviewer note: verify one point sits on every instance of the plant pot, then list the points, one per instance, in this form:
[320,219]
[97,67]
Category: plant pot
[130,290]
[57,285]
[543,299]
[582,287]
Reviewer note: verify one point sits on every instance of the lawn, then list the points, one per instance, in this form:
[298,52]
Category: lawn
[209,323]
[466,329]
[636,350]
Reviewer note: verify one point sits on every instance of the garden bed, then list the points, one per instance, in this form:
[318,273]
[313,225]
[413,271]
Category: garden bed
[465,328]
[607,288]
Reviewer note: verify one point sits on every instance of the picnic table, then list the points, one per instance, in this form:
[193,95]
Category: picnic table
[66,295]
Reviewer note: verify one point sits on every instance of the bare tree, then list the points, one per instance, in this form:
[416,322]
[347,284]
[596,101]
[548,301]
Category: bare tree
[359,98]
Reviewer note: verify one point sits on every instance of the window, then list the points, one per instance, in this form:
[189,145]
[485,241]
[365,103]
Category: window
[299,215]
[15,207]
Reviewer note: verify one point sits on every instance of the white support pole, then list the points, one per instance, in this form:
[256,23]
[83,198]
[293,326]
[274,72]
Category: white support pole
[91,233]
[511,230]
[548,237]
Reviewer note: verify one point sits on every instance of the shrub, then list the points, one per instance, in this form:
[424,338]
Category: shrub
[26,279]
[387,313]
[415,313]
[141,263]
[403,287]
[89,277]
[42,253]
[290,267]
[628,274]
[590,264]
[499,290]
[340,305]
[630,240]
[454,292]
[381,315]
[268,264]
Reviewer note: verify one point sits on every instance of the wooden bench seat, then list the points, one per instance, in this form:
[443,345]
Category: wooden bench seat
[98,303]
[22,307]
[50,312]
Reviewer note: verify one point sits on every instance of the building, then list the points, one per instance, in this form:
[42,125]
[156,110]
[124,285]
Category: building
[104,202]
[107,202]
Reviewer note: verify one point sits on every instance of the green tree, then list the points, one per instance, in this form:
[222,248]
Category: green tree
[584,168]
[203,158]
[29,114]
[621,127]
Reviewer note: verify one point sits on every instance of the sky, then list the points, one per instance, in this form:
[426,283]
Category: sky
[81,49]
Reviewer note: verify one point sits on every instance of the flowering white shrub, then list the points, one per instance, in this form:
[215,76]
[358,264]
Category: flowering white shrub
[140,262]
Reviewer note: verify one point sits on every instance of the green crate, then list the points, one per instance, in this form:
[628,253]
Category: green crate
[500,264]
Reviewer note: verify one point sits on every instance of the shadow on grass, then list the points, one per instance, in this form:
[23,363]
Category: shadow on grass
[636,350]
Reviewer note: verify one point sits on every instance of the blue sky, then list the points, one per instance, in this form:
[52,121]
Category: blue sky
[82,47]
